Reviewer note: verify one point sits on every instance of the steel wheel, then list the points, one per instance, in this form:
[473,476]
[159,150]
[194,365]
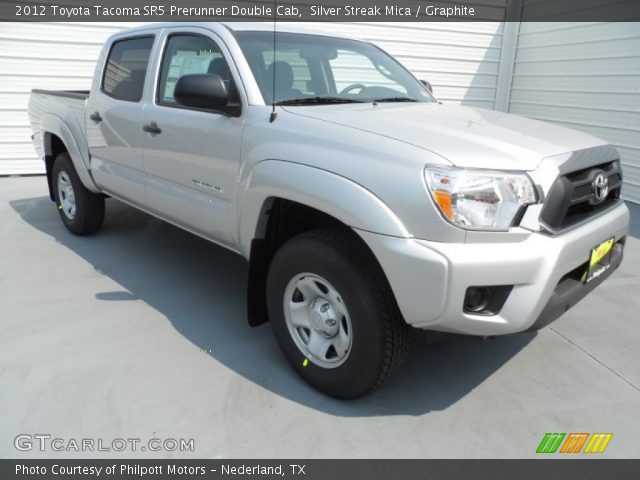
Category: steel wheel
[339,327]
[66,195]
[318,320]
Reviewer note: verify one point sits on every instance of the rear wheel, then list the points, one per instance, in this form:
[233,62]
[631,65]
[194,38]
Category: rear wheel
[333,313]
[81,210]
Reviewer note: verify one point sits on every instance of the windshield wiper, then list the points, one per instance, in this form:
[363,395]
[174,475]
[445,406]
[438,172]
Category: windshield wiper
[317,101]
[394,99]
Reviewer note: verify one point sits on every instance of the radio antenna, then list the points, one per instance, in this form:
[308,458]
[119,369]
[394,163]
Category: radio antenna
[274,114]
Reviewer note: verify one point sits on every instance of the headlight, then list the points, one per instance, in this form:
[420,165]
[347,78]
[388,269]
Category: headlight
[479,199]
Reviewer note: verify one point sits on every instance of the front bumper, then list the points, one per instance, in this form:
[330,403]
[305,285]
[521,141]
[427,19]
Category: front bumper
[430,279]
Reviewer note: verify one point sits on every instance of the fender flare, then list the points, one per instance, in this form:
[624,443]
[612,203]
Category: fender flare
[54,125]
[325,191]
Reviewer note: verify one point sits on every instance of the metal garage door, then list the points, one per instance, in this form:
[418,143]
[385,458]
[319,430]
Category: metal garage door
[460,60]
[584,76]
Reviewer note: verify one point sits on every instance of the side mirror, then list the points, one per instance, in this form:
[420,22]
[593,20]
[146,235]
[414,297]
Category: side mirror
[428,85]
[202,90]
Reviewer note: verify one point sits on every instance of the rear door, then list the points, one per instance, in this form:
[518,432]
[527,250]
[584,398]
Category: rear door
[192,156]
[113,117]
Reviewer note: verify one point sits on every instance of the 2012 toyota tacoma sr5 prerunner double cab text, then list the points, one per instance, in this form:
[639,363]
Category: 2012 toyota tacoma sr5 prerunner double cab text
[363,205]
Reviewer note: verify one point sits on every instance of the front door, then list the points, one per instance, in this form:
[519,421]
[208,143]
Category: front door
[191,156]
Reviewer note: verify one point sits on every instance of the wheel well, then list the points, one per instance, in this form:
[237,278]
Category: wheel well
[281,220]
[286,219]
[53,146]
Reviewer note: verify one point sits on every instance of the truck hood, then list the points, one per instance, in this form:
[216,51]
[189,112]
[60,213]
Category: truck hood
[465,136]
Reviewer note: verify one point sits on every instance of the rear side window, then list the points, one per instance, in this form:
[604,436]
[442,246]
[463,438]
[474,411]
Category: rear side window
[126,68]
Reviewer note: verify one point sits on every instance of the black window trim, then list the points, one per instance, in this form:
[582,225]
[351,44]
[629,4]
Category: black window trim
[106,62]
[232,82]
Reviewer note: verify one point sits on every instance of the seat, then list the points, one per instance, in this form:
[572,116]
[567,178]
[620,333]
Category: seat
[219,66]
[283,74]
[130,88]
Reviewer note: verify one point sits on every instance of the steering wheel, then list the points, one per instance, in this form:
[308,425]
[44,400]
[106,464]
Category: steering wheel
[353,86]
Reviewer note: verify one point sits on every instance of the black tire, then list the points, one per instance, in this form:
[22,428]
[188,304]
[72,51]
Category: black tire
[89,207]
[379,333]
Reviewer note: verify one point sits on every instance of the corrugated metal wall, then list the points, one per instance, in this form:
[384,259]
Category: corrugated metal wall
[461,61]
[584,76]
[44,55]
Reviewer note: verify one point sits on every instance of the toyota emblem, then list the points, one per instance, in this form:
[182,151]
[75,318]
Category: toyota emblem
[600,188]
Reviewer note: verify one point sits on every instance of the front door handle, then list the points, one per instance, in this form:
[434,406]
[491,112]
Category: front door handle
[95,116]
[152,128]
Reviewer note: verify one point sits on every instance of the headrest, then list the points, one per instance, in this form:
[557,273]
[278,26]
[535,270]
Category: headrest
[284,74]
[218,66]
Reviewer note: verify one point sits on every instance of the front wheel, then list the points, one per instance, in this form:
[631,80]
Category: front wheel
[333,313]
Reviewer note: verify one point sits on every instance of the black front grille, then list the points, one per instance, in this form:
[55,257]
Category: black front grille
[571,199]
[583,191]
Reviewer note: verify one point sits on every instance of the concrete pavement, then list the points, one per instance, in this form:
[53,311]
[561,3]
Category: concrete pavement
[140,331]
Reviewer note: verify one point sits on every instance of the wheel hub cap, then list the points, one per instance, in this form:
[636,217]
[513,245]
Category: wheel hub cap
[317,320]
[323,316]
[66,195]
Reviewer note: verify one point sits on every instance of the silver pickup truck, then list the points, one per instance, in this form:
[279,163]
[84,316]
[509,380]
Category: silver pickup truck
[363,205]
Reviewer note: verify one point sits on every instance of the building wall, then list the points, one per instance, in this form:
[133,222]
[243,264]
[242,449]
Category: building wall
[460,60]
[584,76]
[40,55]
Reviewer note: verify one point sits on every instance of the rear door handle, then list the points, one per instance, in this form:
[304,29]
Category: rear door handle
[95,116]
[152,128]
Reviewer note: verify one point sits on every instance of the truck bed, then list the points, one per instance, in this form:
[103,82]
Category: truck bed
[76,94]
[68,105]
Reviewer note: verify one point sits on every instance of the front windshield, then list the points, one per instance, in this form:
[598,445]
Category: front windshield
[315,69]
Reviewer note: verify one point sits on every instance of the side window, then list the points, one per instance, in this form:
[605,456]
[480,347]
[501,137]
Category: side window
[126,68]
[185,55]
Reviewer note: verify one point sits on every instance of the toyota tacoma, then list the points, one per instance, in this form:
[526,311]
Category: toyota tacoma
[363,205]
